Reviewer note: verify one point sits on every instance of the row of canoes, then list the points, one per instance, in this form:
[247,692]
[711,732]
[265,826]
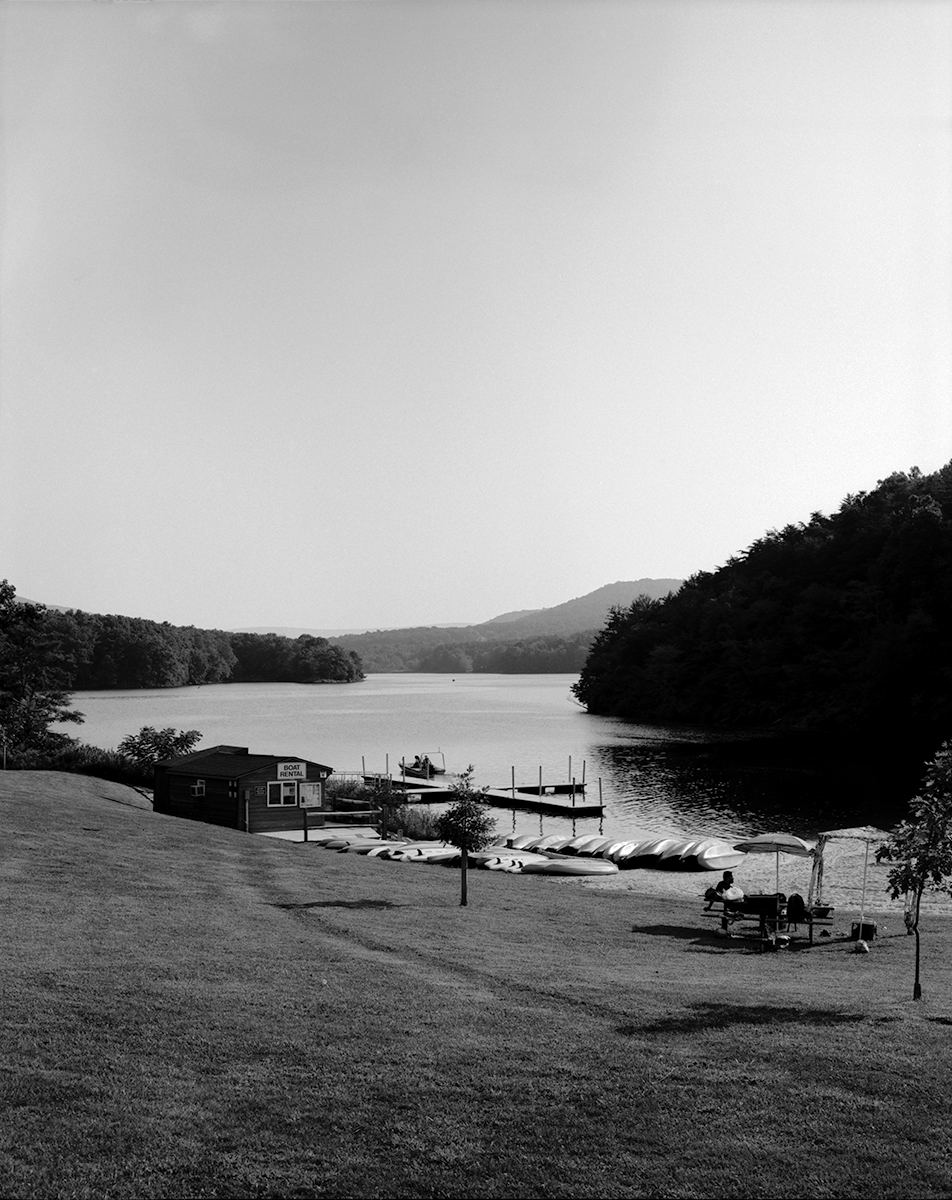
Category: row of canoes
[552,855]
[666,854]
[494,858]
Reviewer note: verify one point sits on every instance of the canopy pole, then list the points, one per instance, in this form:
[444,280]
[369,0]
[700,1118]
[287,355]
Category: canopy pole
[862,899]
[815,894]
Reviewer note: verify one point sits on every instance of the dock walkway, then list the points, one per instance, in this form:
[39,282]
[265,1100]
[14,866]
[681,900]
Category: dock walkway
[526,797]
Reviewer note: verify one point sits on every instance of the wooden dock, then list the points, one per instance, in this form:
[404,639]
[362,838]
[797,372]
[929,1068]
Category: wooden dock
[527,798]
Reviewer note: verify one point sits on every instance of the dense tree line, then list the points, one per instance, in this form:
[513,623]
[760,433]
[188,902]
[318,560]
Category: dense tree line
[93,651]
[430,648]
[528,656]
[840,625]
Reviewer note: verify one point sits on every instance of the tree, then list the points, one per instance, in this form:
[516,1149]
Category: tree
[36,671]
[149,746]
[921,846]
[466,824]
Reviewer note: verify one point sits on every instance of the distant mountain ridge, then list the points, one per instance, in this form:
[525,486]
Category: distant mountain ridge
[294,631]
[573,616]
[547,639]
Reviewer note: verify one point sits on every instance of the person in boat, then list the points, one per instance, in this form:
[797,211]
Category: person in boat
[426,763]
[417,765]
[733,898]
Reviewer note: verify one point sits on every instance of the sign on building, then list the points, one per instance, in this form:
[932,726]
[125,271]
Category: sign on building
[292,770]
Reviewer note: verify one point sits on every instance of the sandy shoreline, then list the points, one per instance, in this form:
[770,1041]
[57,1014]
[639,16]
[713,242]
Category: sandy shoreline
[843,883]
[842,886]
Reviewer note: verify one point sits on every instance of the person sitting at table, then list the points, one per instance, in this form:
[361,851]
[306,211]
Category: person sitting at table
[733,898]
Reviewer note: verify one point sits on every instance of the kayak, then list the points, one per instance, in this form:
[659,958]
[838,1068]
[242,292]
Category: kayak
[577,845]
[571,866]
[720,857]
[599,846]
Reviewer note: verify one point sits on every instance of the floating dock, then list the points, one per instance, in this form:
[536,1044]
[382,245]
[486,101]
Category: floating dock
[528,798]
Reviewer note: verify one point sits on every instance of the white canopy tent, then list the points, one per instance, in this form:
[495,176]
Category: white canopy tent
[862,833]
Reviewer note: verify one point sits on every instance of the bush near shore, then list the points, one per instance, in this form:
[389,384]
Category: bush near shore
[195,1012]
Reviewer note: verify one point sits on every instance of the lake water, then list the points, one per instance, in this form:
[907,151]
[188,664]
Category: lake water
[654,780]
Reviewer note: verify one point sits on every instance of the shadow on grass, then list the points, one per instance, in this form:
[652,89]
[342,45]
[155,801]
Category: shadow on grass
[675,931]
[722,1016]
[338,904]
[706,940]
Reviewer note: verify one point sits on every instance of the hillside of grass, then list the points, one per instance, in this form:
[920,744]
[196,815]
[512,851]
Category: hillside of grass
[194,1012]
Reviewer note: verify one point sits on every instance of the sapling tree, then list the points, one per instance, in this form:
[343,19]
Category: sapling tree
[467,823]
[149,746]
[921,846]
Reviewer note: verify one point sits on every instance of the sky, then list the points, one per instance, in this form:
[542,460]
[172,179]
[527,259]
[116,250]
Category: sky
[362,314]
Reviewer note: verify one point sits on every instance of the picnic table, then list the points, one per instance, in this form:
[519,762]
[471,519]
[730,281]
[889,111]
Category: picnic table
[770,914]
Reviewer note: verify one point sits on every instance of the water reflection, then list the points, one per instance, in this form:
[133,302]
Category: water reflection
[696,782]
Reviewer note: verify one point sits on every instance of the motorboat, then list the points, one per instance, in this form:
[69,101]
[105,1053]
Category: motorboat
[423,766]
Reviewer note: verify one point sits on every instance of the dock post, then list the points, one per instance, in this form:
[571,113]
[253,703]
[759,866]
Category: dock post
[363,765]
[513,783]
[573,791]
[304,815]
[583,774]
[540,779]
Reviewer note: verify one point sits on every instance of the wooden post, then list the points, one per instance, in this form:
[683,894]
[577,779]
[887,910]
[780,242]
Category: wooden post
[513,784]
[573,792]
[304,815]
[540,779]
[247,815]
[462,866]
[583,774]
[363,765]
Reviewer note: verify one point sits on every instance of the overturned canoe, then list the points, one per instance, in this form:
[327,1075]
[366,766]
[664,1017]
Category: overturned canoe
[720,857]
[571,866]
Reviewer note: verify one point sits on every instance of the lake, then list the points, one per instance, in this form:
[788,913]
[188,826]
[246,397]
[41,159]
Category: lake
[675,781]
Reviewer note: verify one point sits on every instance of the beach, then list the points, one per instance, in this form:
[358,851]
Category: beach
[842,884]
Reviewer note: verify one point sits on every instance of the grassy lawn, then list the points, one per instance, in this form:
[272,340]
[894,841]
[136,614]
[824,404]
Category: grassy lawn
[190,1011]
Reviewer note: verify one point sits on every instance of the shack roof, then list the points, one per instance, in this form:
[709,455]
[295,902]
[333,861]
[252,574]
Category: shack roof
[223,762]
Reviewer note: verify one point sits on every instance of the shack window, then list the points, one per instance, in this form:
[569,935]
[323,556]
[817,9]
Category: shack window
[198,787]
[282,793]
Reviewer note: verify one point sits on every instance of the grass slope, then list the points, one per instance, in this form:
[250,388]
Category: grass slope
[195,1012]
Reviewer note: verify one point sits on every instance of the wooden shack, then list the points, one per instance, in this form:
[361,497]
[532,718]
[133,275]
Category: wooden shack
[227,785]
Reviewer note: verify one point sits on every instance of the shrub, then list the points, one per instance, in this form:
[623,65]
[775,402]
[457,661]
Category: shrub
[82,759]
[416,822]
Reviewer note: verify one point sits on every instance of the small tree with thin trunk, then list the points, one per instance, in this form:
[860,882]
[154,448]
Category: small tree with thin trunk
[921,846]
[467,823]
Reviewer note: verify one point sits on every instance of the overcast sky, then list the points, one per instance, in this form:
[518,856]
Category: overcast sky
[356,314]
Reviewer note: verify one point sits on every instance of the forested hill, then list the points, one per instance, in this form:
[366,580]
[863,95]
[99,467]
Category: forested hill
[93,650]
[541,640]
[842,625]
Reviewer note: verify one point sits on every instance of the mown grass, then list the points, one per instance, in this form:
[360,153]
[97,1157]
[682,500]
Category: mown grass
[195,1012]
